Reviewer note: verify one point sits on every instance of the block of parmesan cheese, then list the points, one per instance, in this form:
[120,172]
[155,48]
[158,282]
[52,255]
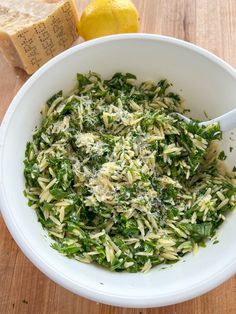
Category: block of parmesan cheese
[34,31]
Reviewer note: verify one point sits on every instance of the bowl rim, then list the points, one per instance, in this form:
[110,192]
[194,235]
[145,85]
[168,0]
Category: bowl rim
[95,294]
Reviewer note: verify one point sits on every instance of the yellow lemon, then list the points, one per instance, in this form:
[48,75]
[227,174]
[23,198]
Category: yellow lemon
[106,17]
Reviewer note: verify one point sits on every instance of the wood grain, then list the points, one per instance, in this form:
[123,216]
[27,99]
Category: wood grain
[210,24]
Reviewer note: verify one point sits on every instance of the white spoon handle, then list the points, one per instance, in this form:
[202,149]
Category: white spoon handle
[227,121]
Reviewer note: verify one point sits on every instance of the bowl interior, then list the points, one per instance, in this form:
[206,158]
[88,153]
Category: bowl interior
[206,83]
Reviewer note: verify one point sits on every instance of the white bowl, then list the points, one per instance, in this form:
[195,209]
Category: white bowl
[207,83]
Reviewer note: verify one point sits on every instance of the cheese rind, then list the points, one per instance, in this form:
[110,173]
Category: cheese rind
[28,41]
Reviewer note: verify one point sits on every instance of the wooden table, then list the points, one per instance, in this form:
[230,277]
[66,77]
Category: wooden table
[24,289]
